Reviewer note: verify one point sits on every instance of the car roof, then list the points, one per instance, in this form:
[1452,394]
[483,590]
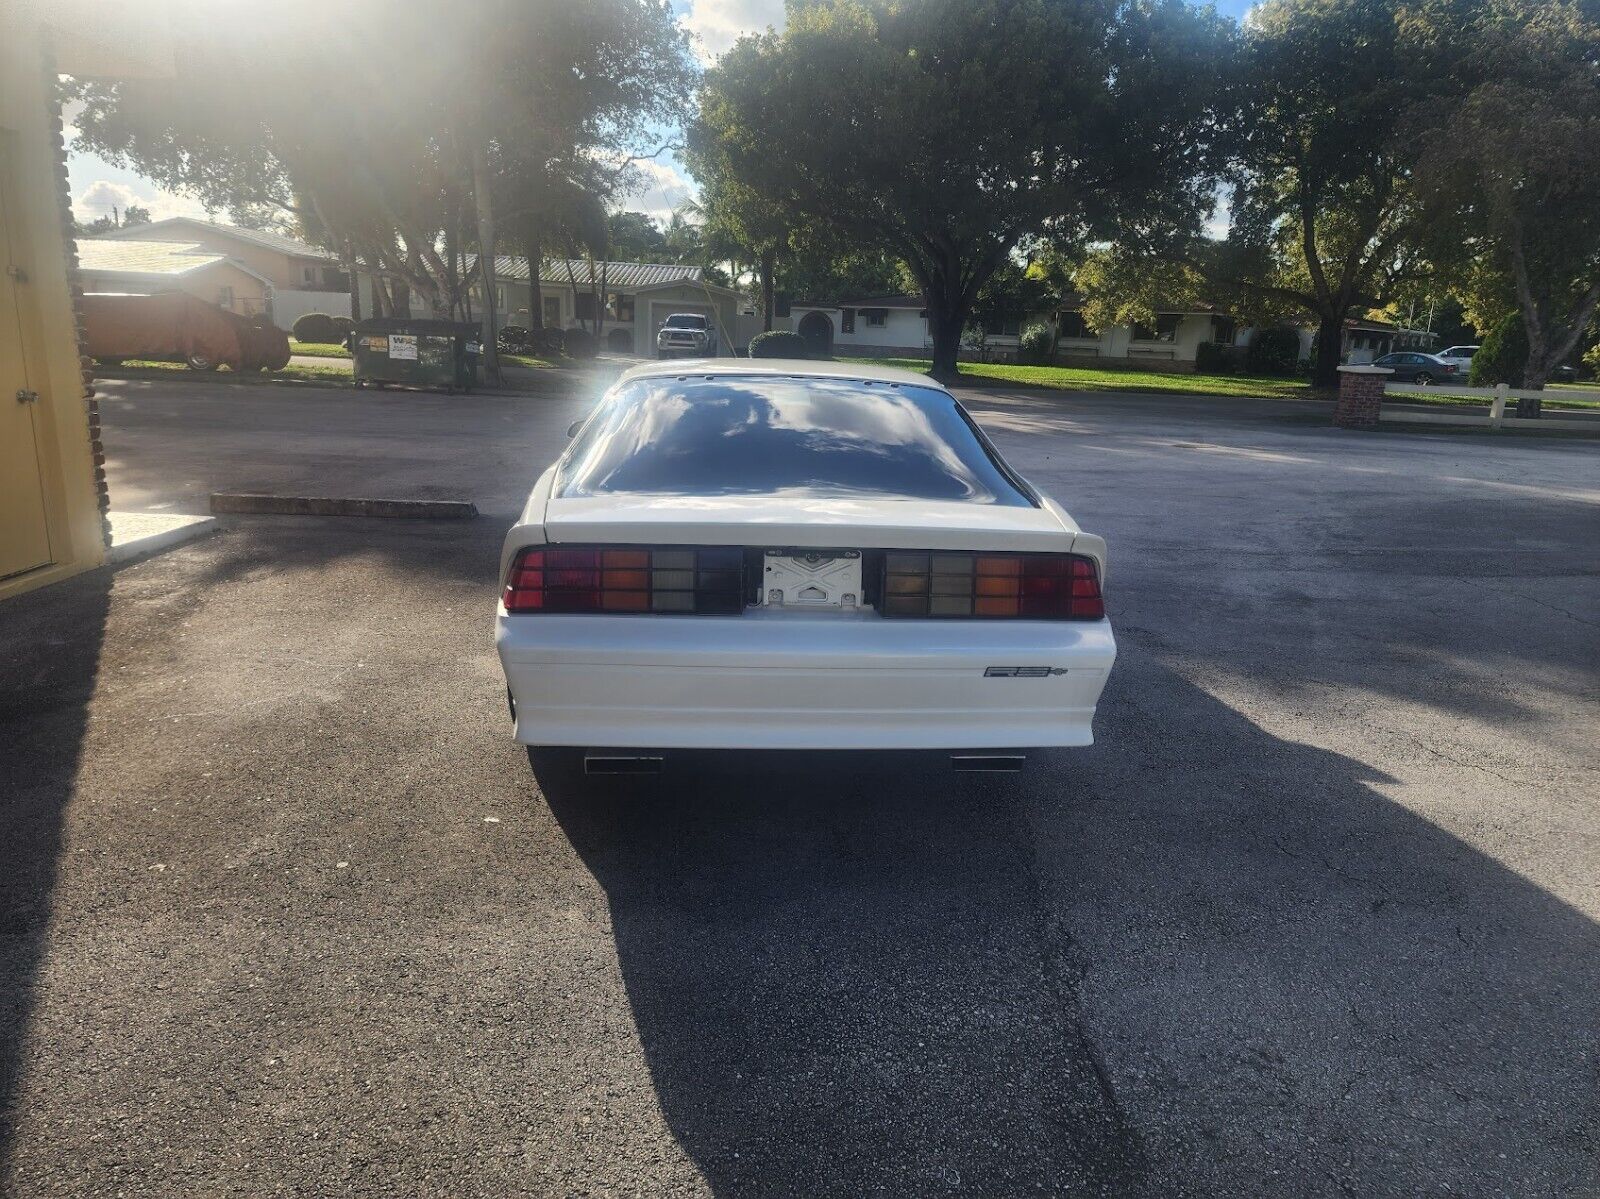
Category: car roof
[786,368]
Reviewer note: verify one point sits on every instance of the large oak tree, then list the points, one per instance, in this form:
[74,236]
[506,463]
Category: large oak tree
[945,131]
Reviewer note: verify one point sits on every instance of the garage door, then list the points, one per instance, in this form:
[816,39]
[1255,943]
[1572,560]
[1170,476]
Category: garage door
[660,310]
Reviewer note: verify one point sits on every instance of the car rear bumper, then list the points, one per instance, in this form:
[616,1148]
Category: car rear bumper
[786,681]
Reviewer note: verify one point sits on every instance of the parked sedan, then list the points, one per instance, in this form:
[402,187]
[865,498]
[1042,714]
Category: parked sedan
[1410,366]
[796,555]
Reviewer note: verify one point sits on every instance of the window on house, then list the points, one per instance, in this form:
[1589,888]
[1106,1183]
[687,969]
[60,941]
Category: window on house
[1072,325]
[585,305]
[309,274]
[1003,326]
[621,307]
[877,318]
[225,297]
[552,311]
[847,320]
[1224,329]
[1143,332]
[1167,325]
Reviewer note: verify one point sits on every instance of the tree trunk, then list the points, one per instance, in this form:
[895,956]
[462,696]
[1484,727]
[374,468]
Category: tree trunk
[945,329]
[376,286]
[1534,376]
[1330,347]
[486,247]
[348,262]
[534,252]
[768,264]
[399,297]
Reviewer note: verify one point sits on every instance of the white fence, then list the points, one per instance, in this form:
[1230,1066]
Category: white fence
[289,306]
[1497,398]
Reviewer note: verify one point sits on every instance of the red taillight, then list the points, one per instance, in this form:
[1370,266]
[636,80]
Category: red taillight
[1015,586]
[693,580]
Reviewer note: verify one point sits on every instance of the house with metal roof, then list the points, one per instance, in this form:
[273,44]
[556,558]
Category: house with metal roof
[638,298]
[147,267]
[302,277]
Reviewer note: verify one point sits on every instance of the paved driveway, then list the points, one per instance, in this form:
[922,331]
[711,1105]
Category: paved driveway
[285,912]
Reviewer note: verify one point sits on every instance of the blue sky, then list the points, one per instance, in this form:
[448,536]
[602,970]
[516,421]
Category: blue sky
[97,186]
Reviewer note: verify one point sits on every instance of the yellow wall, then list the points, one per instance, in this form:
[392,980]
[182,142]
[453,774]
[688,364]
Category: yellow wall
[39,251]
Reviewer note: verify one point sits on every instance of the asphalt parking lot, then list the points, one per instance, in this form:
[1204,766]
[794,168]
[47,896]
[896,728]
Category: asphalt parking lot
[285,911]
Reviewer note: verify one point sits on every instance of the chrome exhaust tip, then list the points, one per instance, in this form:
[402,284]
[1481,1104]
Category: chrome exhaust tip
[621,763]
[998,763]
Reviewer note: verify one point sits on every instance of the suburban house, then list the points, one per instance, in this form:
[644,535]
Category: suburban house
[300,277]
[896,326]
[147,267]
[54,509]
[639,296]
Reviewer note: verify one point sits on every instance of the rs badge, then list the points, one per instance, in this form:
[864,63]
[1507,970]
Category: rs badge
[1022,672]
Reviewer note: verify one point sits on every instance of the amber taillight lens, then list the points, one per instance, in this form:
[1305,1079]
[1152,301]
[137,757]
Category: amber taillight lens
[688,581]
[996,586]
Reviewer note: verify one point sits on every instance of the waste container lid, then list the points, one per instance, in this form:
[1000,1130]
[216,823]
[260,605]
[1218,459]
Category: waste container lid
[405,324]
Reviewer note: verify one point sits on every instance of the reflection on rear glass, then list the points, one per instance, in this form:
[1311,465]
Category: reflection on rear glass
[808,437]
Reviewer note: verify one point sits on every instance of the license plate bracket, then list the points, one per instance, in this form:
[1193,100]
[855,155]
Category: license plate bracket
[809,579]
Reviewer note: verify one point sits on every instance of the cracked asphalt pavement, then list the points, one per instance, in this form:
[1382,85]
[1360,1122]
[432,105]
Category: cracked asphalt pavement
[283,911]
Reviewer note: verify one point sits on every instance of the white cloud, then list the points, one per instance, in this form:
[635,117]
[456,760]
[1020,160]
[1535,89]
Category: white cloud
[102,195]
[662,188]
[717,24]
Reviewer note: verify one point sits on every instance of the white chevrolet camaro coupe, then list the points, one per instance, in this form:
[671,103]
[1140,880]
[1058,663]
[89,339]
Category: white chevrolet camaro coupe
[769,555]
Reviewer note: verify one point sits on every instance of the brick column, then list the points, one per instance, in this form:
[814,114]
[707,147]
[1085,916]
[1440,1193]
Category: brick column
[1360,396]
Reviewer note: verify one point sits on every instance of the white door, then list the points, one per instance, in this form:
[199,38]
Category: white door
[24,535]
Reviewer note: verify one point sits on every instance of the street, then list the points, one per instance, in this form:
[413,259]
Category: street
[284,911]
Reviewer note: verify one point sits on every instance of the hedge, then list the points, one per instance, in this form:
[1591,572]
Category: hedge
[779,343]
[317,327]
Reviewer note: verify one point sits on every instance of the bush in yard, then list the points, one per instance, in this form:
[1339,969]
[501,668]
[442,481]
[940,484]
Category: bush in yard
[512,339]
[1503,355]
[578,343]
[1033,347]
[1274,351]
[315,327]
[779,343]
[1213,358]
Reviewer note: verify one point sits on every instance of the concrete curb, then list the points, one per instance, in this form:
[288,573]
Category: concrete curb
[311,505]
[137,534]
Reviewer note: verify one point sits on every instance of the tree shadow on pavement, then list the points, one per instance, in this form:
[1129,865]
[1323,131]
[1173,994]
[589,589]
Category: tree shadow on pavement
[1176,963]
[49,663]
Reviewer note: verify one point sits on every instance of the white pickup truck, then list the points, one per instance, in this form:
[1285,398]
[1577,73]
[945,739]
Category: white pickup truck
[688,334]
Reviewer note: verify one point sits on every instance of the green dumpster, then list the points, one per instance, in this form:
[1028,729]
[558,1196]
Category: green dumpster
[416,353]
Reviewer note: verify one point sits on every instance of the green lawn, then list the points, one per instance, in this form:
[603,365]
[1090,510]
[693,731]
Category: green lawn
[318,349]
[526,360]
[1081,378]
[311,374]
[1445,399]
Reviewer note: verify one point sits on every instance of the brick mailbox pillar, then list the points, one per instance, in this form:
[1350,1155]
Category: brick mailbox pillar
[1360,396]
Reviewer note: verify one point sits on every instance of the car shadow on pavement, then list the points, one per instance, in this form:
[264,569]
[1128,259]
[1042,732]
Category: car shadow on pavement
[1175,963]
[49,663]
[839,976]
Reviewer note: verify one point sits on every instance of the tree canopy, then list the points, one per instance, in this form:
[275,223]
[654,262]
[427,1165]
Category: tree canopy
[403,134]
[944,132]
[1511,177]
